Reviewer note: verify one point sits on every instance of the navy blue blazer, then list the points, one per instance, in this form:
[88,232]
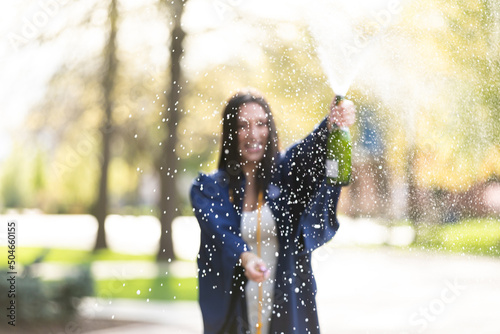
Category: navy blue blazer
[304,208]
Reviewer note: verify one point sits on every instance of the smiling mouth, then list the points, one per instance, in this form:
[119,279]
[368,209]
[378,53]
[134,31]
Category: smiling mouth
[256,147]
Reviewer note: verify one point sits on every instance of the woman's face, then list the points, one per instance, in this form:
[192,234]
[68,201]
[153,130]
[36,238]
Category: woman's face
[253,132]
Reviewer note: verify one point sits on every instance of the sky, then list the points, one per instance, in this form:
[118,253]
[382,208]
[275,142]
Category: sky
[25,66]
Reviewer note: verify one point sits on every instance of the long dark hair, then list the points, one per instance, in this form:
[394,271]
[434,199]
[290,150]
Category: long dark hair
[229,159]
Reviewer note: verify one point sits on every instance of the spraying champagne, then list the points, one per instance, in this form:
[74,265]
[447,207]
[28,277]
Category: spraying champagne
[338,153]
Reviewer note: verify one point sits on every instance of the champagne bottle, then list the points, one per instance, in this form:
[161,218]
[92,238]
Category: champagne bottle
[338,154]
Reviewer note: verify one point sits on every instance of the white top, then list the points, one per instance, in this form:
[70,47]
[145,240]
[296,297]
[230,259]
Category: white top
[269,254]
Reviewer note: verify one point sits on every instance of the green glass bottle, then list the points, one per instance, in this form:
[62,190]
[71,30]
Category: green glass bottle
[338,154]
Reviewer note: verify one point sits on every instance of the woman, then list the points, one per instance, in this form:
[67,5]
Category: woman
[261,215]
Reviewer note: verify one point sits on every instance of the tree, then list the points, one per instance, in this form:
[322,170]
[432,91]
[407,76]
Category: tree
[168,161]
[108,82]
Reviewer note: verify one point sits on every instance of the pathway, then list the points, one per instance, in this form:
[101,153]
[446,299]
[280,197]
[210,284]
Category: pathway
[362,290]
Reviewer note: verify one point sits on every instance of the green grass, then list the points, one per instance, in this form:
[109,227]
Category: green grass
[160,288]
[164,288]
[26,255]
[475,237]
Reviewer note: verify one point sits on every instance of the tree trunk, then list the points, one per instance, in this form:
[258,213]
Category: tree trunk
[414,210]
[168,162]
[109,74]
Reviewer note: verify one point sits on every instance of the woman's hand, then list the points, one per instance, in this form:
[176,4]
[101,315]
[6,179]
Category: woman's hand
[343,114]
[255,268]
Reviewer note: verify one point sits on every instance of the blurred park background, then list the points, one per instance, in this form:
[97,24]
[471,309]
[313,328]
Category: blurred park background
[111,108]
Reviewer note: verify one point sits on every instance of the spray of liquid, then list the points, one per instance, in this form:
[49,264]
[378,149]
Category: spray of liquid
[345,32]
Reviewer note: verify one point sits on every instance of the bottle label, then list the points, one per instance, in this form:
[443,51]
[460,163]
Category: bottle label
[332,168]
